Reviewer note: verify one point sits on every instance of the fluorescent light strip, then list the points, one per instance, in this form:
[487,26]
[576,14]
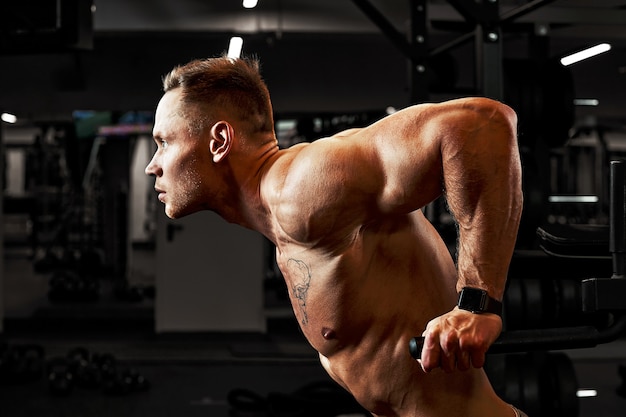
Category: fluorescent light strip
[586,102]
[573,199]
[584,54]
[586,393]
[8,118]
[234,47]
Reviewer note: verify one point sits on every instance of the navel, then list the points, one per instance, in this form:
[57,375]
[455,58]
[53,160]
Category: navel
[328,334]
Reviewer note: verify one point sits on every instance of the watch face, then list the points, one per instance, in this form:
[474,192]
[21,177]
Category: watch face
[472,299]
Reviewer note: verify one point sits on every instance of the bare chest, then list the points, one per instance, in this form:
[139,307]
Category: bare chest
[343,300]
[327,311]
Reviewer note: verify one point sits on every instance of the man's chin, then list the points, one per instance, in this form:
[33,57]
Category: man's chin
[174,215]
[177,214]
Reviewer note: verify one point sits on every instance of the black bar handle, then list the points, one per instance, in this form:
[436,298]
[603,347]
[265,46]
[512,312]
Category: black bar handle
[562,338]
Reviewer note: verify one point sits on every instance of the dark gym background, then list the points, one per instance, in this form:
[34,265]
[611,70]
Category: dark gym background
[97,284]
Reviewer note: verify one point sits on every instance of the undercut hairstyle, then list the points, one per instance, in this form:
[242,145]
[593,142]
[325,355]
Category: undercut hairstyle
[223,84]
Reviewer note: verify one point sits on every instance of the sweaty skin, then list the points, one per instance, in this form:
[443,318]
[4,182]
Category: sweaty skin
[366,271]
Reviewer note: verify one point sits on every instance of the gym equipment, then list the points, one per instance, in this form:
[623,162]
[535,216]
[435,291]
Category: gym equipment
[598,295]
[116,382]
[86,373]
[20,364]
[68,286]
[80,369]
[542,92]
[60,379]
[540,383]
[133,293]
[538,303]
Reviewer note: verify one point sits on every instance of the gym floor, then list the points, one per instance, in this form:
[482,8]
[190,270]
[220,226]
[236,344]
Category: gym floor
[192,375]
[199,374]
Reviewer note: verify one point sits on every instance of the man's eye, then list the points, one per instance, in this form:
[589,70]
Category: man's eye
[163,144]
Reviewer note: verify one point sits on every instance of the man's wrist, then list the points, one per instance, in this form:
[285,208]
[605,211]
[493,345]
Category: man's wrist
[478,301]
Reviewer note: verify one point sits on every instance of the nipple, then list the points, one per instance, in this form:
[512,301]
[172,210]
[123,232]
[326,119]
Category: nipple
[328,333]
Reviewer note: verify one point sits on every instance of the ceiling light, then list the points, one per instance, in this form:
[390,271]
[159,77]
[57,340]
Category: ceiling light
[8,118]
[249,4]
[586,393]
[584,54]
[573,199]
[234,47]
[586,102]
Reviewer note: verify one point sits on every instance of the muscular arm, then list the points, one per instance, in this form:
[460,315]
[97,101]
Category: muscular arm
[482,182]
[482,179]
[468,148]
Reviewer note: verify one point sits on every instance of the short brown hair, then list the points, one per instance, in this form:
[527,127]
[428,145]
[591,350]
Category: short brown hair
[234,85]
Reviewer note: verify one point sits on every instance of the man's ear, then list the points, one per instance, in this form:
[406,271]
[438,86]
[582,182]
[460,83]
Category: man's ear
[221,140]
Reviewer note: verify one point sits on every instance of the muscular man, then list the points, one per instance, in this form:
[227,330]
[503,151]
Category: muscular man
[366,270]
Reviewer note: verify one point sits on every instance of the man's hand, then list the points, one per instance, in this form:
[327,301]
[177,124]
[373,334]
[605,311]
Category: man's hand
[459,340]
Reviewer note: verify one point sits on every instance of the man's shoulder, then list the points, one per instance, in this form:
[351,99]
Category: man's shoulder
[318,190]
[471,103]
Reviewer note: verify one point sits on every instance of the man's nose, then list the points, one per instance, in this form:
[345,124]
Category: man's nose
[152,168]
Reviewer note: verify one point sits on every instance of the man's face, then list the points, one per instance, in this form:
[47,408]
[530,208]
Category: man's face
[181,161]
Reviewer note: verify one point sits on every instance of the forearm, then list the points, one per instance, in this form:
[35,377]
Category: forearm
[482,179]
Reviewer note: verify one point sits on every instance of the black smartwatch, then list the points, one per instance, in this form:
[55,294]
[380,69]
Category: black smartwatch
[478,301]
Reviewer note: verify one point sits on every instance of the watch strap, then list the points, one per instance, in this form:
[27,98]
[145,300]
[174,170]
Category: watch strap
[478,301]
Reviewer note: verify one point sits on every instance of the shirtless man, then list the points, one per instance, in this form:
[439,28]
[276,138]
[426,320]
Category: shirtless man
[365,268]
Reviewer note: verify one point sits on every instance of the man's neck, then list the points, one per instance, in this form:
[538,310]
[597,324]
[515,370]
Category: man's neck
[246,205]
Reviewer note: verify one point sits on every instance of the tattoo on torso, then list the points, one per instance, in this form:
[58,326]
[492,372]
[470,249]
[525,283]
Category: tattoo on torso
[301,285]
